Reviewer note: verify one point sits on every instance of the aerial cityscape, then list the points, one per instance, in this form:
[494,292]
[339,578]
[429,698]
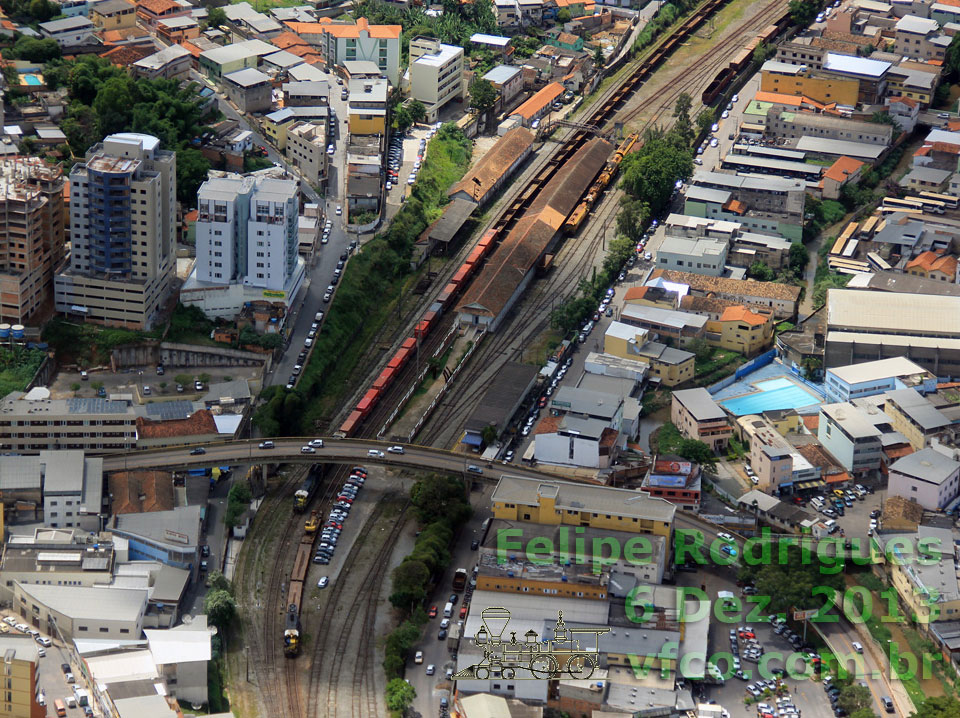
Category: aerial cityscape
[480,359]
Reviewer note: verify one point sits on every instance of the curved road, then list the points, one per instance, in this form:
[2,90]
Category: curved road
[333,451]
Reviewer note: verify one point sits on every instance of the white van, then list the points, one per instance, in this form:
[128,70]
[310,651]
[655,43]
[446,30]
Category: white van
[817,503]
[448,610]
[70,701]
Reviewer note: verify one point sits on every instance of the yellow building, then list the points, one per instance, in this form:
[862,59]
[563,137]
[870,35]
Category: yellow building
[367,122]
[915,417]
[599,507]
[785,421]
[113,15]
[790,80]
[672,366]
[915,582]
[367,100]
[741,329]
[18,673]
[275,126]
[932,265]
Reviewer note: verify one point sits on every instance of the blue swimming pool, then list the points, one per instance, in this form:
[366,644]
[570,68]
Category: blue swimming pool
[32,80]
[773,394]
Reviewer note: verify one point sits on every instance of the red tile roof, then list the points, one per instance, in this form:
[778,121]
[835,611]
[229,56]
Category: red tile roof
[157,6]
[844,168]
[288,39]
[743,314]
[492,166]
[126,55]
[933,262]
[540,100]
[135,492]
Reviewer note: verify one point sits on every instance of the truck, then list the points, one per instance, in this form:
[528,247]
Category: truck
[313,523]
[460,579]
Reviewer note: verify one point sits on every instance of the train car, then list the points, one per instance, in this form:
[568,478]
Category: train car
[741,59]
[409,343]
[576,218]
[402,356]
[716,86]
[368,401]
[291,631]
[448,294]
[769,33]
[476,255]
[349,427]
[462,274]
[488,239]
[303,495]
[385,379]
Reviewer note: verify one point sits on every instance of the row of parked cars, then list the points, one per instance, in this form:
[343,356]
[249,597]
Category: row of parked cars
[330,533]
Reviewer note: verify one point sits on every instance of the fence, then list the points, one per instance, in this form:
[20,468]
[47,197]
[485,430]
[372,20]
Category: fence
[415,384]
[443,391]
[756,363]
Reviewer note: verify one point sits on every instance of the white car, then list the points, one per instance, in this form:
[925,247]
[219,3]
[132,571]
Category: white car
[339,210]
[715,127]
[323,582]
[857,647]
[307,450]
[418,657]
[725,114]
[724,536]
[316,443]
[375,454]
[395,450]
[330,149]
[714,142]
[431,669]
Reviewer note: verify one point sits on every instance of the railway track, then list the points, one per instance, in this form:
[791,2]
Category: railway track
[347,657]
[267,659]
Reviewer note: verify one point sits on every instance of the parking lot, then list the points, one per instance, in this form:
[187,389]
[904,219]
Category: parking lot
[806,695]
[68,384]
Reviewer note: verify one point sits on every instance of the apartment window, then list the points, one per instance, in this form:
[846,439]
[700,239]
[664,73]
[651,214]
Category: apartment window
[82,628]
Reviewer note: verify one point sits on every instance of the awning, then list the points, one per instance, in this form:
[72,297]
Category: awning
[813,484]
[472,439]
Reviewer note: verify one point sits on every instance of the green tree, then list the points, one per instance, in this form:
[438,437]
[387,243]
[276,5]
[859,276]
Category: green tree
[400,695]
[410,580]
[789,582]
[799,257]
[440,498]
[694,450]
[35,50]
[483,95]
[705,119]
[683,127]
[598,58]
[863,713]
[951,60]
[113,105]
[402,118]
[218,582]
[192,169]
[760,271]
[489,434]
[632,218]
[41,10]
[701,349]
[803,12]
[854,697]
[651,172]
[418,113]
[938,707]
[216,16]
[220,607]
[564,15]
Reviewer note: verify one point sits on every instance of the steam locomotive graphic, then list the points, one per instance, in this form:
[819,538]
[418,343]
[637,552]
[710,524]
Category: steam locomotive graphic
[571,653]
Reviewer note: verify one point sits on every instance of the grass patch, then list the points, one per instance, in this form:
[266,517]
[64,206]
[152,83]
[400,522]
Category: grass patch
[17,367]
[720,364]
[217,701]
[89,344]
[654,401]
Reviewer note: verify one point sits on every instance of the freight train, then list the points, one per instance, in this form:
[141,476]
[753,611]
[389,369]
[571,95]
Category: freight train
[742,60]
[303,495]
[603,180]
[427,324]
[292,629]
[464,275]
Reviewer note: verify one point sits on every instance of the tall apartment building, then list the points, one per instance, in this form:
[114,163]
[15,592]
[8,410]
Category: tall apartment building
[34,422]
[247,245]
[122,223]
[307,150]
[20,675]
[436,74]
[31,235]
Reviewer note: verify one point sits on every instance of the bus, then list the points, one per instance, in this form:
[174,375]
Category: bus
[902,203]
[869,227]
[929,205]
[890,209]
[949,201]
[877,262]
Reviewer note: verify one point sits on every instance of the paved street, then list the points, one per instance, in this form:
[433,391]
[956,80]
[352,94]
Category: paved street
[431,688]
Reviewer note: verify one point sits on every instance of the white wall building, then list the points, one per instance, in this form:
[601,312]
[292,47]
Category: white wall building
[436,74]
[247,244]
[926,477]
[855,381]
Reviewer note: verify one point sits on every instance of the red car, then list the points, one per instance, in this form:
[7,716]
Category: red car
[433,612]
[346,499]
[463,611]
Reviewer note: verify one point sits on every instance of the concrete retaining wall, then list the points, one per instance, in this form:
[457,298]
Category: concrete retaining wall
[133,355]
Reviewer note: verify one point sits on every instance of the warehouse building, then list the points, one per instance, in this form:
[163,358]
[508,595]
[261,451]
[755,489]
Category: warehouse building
[80,611]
